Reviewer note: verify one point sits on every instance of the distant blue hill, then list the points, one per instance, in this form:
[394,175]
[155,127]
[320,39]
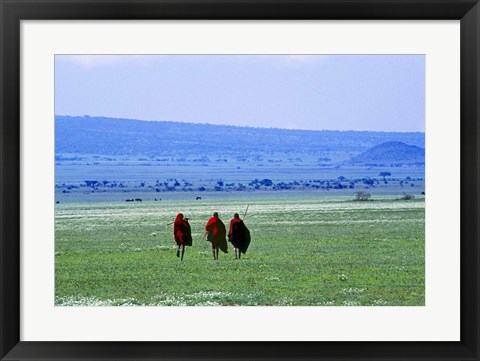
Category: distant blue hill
[391,153]
[112,136]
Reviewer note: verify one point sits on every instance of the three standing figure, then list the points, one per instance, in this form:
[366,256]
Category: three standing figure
[216,233]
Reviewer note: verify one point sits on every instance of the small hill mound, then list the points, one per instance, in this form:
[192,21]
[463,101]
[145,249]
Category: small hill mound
[391,154]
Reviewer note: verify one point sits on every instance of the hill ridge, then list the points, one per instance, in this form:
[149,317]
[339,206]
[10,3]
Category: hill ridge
[119,136]
[144,121]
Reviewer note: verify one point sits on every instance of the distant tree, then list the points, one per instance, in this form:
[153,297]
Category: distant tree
[266,182]
[240,187]
[341,178]
[368,181]
[339,186]
[362,196]
[91,183]
[385,174]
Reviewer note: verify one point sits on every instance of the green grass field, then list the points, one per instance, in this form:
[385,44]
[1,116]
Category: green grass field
[304,251]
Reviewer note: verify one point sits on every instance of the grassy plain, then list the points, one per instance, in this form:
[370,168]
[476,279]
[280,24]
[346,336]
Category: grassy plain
[305,250]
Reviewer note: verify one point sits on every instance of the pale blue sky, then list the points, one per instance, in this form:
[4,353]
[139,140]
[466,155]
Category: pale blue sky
[335,92]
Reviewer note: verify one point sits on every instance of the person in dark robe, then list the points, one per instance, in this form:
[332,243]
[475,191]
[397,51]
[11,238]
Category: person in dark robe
[182,234]
[239,236]
[216,233]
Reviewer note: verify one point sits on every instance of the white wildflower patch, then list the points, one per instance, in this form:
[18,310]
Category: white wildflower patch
[285,302]
[350,303]
[164,248]
[169,300]
[202,298]
[342,277]
[252,299]
[276,279]
[211,298]
[208,303]
[328,303]
[126,302]
[379,302]
[353,291]
[208,298]
[94,302]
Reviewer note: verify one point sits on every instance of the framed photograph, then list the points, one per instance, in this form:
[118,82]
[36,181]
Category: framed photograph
[238,180]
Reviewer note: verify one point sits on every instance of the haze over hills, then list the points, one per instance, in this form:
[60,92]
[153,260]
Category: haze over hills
[203,142]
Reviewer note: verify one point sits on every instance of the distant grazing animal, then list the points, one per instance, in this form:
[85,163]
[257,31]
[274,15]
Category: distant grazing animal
[57,202]
[129,200]
[138,199]
[198,198]
[158,199]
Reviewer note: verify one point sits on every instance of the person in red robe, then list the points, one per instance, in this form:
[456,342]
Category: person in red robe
[216,233]
[182,234]
[239,236]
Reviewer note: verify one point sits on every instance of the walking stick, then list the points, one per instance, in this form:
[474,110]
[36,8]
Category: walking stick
[203,237]
[246,210]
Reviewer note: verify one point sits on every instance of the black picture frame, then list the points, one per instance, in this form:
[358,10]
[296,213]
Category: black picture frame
[12,12]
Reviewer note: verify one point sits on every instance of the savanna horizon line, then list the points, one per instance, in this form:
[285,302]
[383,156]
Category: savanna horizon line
[87,116]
